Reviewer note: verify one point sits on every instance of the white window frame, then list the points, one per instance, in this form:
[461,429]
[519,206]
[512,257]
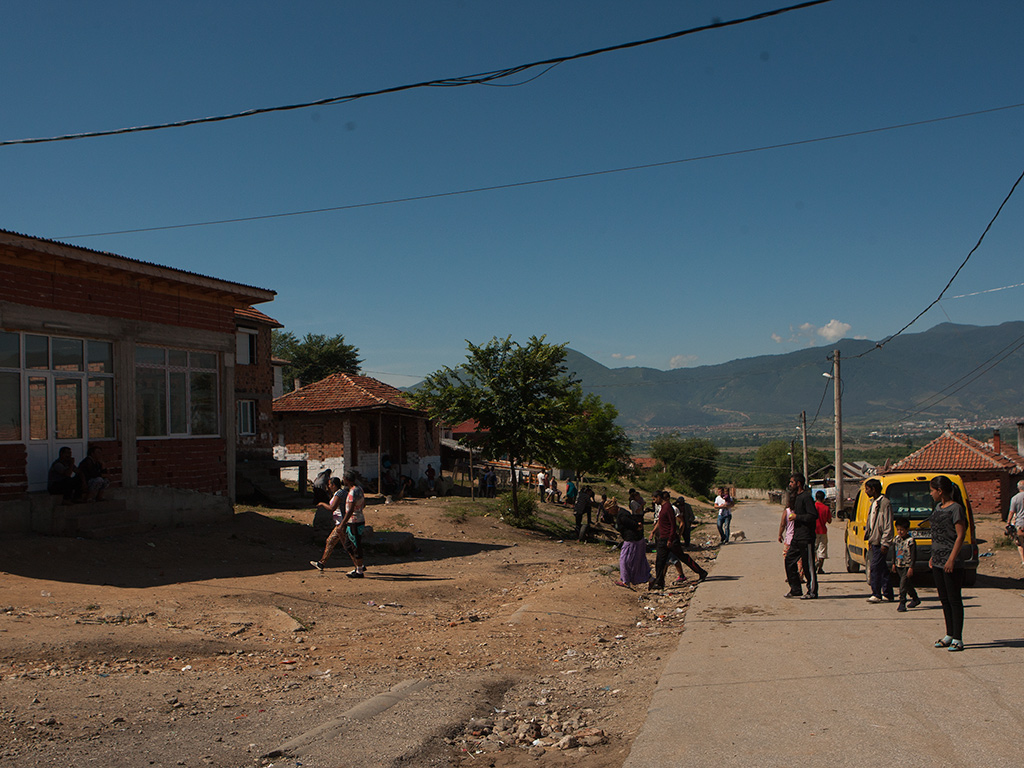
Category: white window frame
[245,346]
[246,416]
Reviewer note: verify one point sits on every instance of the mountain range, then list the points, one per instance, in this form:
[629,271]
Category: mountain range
[948,373]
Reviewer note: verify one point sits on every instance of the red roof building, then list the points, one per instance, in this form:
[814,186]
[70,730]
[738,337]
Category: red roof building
[989,470]
[348,421]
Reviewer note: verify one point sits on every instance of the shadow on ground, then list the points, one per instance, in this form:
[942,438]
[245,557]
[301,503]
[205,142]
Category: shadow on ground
[250,544]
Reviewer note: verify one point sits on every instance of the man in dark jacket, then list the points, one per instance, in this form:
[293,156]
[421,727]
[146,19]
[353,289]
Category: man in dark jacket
[804,515]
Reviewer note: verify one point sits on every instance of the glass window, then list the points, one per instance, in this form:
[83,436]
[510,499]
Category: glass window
[10,405]
[178,388]
[177,357]
[10,350]
[101,407]
[68,408]
[150,402]
[37,352]
[67,355]
[204,404]
[38,409]
[101,356]
[149,356]
[206,360]
[246,417]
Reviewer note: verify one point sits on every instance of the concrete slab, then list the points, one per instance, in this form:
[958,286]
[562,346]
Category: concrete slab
[761,680]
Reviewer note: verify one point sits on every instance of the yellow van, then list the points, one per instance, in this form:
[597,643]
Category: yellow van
[908,493]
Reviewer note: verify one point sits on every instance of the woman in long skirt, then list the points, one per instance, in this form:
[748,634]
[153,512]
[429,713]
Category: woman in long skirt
[633,565]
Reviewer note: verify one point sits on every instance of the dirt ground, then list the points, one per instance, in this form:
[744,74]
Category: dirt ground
[221,646]
[217,645]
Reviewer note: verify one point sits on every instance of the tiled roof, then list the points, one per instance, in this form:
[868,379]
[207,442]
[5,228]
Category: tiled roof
[955,452]
[255,316]
[344,392]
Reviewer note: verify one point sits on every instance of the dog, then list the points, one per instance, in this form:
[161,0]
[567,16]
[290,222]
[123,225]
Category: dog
[738,536]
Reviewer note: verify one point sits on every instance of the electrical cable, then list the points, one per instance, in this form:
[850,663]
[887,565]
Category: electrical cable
[482,78]
[938,298]
[548,180]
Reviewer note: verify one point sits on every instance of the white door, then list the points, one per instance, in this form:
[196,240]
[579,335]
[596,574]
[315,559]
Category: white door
[56,418]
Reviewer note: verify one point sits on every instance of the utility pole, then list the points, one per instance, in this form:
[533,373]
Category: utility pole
[839,430]
[792,458]
[803,433]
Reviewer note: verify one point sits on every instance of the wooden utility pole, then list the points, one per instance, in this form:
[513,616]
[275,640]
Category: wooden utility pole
[840,497]
[792,458]
[803,434]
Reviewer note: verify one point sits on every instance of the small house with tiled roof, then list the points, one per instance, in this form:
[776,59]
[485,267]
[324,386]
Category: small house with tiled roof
[990,471]
[348,421]
[135,358]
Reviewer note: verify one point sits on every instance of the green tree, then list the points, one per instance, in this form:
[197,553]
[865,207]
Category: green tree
[520,395]
[593,442]
[693,460]
[771,468]
[314,357]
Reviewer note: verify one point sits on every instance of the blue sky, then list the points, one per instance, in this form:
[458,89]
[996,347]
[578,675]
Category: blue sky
[686,264]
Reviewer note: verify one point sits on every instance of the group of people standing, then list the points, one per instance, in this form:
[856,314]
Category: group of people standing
[891,550]
[669,522]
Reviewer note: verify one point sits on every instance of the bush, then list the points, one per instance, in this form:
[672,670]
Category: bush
[527,509]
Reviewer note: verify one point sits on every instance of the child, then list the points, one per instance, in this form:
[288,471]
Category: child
[904,550]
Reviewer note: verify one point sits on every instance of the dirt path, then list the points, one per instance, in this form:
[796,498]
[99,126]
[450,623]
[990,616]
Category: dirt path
[220,645]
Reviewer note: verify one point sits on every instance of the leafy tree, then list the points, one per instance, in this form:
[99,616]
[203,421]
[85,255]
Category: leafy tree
[593,442]
[313,358]
[693,460]
[520,395]
[771,465]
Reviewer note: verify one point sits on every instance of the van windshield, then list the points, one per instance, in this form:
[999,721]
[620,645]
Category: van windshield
[913,499]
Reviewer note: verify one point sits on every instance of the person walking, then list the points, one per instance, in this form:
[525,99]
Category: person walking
[581,508]
[948,527]
[878,534]
[1015,516]
[346,507]
[665,537]
[804,516]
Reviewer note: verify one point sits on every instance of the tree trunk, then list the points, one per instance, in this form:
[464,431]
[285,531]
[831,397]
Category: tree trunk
[515,487]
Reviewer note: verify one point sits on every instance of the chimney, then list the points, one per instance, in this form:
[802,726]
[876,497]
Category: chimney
[1020,437]
[296,384]
[997,443]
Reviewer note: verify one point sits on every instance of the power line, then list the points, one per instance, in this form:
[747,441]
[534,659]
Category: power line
[938,298]
[481,78]
[547,180]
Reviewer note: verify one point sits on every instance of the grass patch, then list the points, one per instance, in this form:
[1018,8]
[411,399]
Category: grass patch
[1004,542]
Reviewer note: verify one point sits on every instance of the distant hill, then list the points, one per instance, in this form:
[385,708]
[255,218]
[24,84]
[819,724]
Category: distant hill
[947,372]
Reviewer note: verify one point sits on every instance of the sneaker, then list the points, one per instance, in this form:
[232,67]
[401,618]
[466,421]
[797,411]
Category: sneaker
[317,564]
[890,599]
[902,608]
[354,575]
[874,599]
[914,603]
[703,577]
[792,595]
[809,596]
[680,580]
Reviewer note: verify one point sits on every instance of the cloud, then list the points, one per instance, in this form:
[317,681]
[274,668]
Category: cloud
[808,333]
[680,361]
[834,331]
[616,355]
[620,356]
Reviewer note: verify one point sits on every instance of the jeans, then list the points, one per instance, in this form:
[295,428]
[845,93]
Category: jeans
[724,521]
[906,588]
[881,584]
[948,586]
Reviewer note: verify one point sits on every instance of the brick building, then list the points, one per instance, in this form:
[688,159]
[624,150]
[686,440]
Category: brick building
[990,471]
[135,357]
[256,373]
[347,421]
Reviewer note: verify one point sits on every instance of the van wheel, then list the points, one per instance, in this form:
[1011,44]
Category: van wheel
[851,566]
[970,576]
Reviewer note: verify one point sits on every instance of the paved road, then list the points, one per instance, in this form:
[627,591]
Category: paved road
[758,680]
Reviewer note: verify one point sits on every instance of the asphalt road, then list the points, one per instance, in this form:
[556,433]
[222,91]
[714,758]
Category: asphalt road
[758,680]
